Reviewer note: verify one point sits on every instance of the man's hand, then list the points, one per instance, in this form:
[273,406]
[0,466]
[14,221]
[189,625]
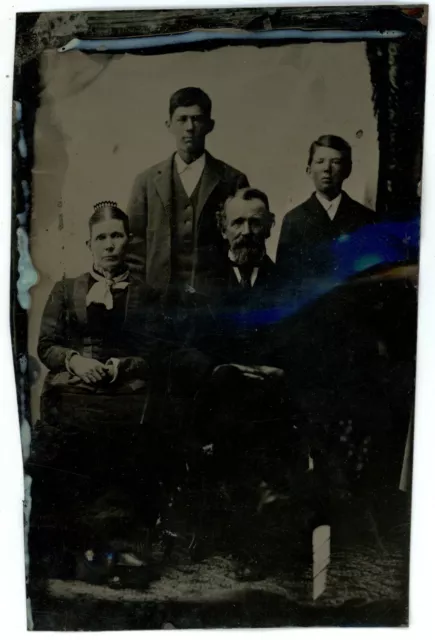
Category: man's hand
[270,372]
[256,372]
[87,369]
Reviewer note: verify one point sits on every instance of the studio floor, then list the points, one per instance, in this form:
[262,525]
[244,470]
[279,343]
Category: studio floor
[366,585]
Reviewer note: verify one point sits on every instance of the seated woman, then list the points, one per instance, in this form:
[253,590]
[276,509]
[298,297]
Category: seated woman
[82,340]
[100,339]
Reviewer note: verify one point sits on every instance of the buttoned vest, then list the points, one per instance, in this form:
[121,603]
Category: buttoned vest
[184,229]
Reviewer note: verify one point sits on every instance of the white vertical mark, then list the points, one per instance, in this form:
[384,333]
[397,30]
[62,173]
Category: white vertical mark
[321,558]
[310,463]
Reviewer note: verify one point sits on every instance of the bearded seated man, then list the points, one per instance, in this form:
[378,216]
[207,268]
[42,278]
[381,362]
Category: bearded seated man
[244,409]
[95,436]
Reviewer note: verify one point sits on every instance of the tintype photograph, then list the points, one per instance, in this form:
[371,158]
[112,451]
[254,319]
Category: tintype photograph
[215,244]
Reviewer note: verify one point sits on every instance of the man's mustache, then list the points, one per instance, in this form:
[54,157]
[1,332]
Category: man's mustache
[247,242]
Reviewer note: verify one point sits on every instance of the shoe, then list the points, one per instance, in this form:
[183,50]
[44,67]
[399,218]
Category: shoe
[249,571]
[94,568]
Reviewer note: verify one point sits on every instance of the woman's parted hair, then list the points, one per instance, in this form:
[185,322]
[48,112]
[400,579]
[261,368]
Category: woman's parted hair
[109,210]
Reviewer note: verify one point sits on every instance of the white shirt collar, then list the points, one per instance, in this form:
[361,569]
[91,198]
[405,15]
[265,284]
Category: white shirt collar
[330,206]
[197,165]
[254,274]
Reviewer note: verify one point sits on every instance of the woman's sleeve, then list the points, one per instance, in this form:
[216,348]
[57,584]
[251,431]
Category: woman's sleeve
[53,348]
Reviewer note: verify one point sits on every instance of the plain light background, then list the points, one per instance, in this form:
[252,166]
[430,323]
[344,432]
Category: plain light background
[102,121]
[12,595]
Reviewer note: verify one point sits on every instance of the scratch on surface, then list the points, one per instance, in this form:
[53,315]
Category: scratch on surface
[78,83]
[26,436]
[27,507]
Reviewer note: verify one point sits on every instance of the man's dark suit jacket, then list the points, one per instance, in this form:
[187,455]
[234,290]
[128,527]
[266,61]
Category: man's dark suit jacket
[304,247]
[232,322]
[247,419]
[327,348]
[150,211]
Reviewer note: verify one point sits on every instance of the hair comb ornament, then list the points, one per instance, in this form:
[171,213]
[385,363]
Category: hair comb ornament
[103,204]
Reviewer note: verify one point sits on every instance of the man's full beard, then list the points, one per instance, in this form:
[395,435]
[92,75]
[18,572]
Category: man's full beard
[248,252]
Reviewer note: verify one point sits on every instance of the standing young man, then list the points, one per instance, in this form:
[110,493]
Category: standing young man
[173,204]
[308,231]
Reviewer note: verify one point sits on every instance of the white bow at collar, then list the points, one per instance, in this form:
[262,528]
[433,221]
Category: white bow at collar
[101,291]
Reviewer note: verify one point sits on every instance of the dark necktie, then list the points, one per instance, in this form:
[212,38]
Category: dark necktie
[245,277]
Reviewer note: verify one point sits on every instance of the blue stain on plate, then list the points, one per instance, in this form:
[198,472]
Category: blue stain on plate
[18,110]
[22,146]
[367,261]
[377,244]
[22,216]
[26,436]
[224,36]
[22,360]
[26,191]
[28,277]
[386,243]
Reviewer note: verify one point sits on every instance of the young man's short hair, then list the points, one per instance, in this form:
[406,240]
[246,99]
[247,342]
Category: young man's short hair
[190,97]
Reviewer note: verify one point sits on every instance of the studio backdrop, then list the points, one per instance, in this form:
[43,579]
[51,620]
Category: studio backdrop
[101,121]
